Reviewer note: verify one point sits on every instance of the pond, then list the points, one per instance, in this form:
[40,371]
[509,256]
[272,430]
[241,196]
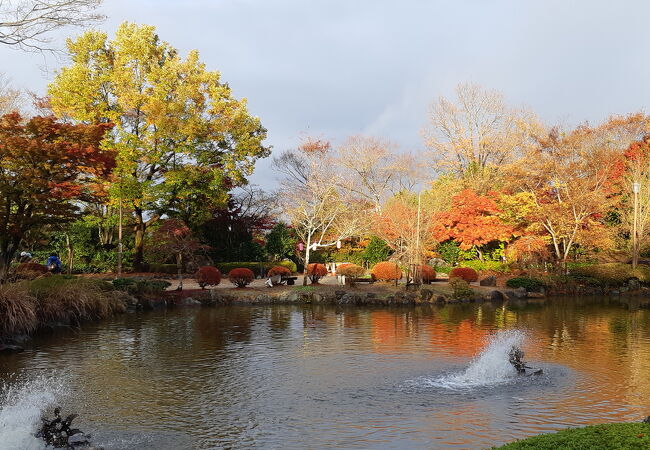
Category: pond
[319,377]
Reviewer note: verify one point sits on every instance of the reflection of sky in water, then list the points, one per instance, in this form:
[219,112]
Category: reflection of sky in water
[346,377]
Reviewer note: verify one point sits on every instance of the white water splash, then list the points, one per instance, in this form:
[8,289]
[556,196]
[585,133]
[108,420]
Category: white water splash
[490,367]
[21,406]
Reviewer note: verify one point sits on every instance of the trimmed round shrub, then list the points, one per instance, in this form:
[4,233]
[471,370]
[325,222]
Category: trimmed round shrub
[350,270]
[530,284]
[464,273]
[427,273]
[241,277]
[208,276]
[316,271]
[386,271]
[278,270]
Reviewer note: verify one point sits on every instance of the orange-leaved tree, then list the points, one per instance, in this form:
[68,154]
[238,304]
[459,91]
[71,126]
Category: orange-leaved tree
[46,168]
[573,178]
[473,221]
[409,233]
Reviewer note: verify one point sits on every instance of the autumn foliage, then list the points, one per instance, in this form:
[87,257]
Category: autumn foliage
[386,271]
[241,277]
[46,167]
[350,270]
[427,273]
[316,271]
[464,273]
[278,270]
[208,276]
[473,221]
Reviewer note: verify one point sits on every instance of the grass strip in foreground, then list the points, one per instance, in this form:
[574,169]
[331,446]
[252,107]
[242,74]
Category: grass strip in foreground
[606,436]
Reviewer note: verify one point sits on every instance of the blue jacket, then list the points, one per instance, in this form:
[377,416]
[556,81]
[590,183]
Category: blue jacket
[53,260]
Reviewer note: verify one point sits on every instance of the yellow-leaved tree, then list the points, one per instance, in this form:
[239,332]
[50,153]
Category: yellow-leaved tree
[181,137]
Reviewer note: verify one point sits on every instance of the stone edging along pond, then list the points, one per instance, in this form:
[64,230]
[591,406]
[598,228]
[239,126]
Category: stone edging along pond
[349,296]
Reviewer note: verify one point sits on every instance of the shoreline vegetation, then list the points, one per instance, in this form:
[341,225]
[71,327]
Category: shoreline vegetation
[603,436]
[47,302]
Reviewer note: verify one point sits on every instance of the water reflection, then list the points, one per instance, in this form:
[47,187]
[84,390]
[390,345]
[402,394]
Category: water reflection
[320,376]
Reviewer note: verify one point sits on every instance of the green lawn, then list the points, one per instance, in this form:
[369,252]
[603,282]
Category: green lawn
[607,436]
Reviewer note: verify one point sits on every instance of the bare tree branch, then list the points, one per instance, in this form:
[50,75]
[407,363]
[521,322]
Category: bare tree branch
[26,23]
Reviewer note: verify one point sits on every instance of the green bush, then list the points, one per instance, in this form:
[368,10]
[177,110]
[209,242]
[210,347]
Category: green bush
[483,266]
[450,252]
[529,283]
[612,274]
[443,269]
[45,284]
[615,435]
[163,268]
[375,252]
[461,289]
[141,286]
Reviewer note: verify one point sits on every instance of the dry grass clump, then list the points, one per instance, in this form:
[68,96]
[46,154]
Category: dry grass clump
[73,300]
[17,310]
[28,305]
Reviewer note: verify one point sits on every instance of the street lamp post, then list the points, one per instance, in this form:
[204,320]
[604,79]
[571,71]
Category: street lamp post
[635,237]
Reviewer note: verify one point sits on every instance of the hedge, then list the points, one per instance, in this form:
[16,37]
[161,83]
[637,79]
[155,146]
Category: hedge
[484,266]
[611,274]
[530,284]
[162,268]
[258,268]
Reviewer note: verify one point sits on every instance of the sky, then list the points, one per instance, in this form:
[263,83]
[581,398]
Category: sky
[335,68]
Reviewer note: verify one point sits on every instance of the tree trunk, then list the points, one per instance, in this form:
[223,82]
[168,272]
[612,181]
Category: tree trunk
[179,264]
[70,252]
[138,254]
[4,269]
[304,277]
[8,249]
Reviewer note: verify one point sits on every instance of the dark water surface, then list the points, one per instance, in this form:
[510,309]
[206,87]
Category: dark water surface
[315,377]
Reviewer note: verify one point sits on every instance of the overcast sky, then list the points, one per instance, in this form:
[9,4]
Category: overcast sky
[333,68]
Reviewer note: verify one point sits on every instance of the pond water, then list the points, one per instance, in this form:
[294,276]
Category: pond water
[318,377]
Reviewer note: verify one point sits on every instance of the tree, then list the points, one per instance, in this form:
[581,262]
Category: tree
[45,167]
[406,227]
[473,221]
[321,212]
[477,135]
[281,242]
[376,251]
[374,170]
[11,99]
[26,23]
[174,119]
[573,178]
[175,237]
[637,170]
[235,232]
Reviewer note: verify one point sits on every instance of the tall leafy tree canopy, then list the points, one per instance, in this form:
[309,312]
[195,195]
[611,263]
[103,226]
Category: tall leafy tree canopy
[171,116]
[46,167]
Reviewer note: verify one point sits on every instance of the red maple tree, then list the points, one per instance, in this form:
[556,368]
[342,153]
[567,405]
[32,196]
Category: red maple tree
[45,166]
[472,221]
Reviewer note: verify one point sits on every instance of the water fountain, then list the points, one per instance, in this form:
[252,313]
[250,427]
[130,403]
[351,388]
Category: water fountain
[58,433]
[500,362]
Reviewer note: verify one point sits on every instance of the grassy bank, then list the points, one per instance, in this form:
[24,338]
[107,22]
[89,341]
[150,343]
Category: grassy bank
[607,436]
[57,300]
